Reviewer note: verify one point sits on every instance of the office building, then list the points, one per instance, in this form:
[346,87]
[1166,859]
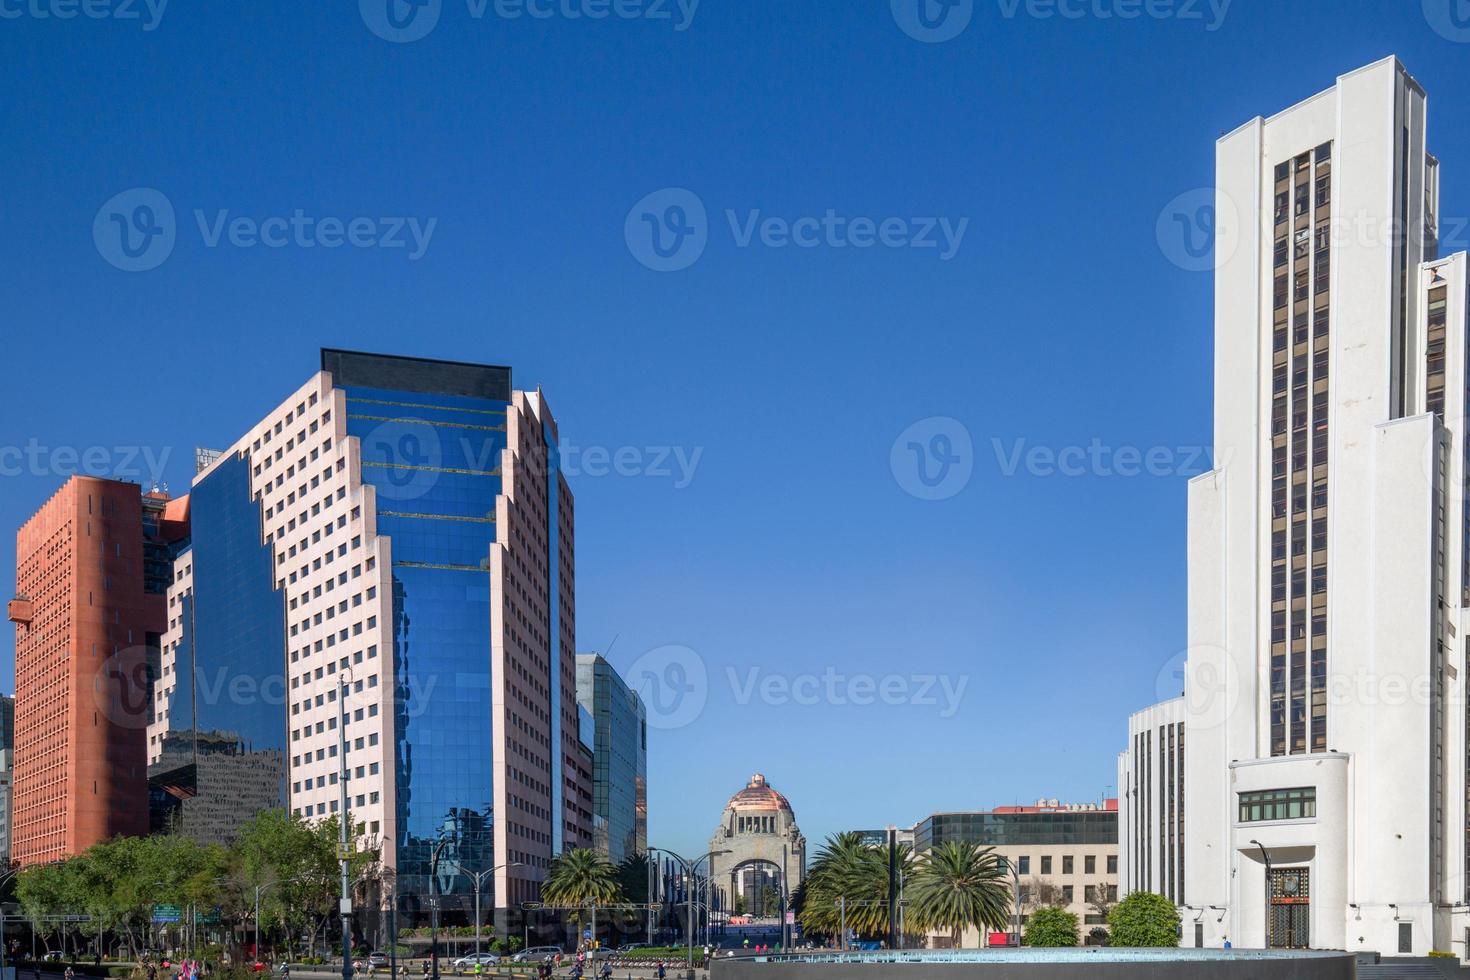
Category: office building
[217,731]
[89,613]
[1062,854]
[620,758]
[396,542]
[1325,765]
[1151,828]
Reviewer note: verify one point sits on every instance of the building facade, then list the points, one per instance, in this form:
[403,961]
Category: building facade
[620,759]
[89,614]
[1325,736]
[1062,854]
[763,852]
[1151,831]
[217,731]
[396,540]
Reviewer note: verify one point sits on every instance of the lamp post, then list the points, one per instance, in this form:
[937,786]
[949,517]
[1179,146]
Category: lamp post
[1015,898]
[478,877]
[434,905]
[1266,857]
[4,920]
[689,873]
[344,823]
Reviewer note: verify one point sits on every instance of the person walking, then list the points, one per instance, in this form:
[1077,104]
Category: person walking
[660,972]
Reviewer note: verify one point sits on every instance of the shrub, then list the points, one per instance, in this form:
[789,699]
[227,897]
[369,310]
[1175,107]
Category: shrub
[1144,919]
[1051,926]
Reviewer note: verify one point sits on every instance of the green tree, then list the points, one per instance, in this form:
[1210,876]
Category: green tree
[581,877]
[1051,926]
[850,868]
[633,878]
[1144,919]
[957,885]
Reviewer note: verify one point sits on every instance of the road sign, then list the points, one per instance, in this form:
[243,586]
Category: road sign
[168,913]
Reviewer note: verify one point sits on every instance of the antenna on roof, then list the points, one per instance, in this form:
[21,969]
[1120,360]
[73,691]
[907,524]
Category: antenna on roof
[610,645]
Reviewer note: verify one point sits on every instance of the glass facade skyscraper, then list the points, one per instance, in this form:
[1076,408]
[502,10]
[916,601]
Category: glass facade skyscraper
[217,742]
[385,563]
[434,461]
[620,758]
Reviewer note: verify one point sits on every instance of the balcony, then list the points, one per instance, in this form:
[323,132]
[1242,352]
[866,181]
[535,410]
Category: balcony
[21,610]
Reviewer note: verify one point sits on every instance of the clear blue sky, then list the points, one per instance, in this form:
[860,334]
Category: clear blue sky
[793,549]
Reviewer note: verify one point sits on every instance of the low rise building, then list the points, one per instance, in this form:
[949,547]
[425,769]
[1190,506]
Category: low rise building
[1063,854]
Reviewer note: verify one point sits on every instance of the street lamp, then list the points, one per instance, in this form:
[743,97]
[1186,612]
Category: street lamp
[1266,856]
[478,878]
[259,889]
[434,905]
[1015,898]
[690,875]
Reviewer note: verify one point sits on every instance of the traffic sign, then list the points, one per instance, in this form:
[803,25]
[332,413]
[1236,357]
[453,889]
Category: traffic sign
[168,913]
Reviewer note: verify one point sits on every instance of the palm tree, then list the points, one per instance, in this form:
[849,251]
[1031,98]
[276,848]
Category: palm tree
[581,877]
[849,867]
[957,885]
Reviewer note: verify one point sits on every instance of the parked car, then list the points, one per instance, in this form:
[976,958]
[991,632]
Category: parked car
[601,953]
[377,958]
[536,954]
[468,962]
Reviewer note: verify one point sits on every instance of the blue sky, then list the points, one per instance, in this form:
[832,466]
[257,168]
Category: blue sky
[799,540]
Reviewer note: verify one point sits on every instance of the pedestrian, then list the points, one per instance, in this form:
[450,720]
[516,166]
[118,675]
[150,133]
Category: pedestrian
[1227,942]
[70,975]
[152,970]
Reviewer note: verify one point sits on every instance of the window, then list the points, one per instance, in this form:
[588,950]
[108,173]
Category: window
[1278,804]
[1067,865]
[1023,865]
[1112,864]
[1046,864]
[1089,865]
[1406,937]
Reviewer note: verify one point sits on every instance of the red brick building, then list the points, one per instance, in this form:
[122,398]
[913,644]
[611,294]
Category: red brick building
[88,614]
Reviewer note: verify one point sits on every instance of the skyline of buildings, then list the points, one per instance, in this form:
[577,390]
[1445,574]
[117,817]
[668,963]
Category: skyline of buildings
[386,563]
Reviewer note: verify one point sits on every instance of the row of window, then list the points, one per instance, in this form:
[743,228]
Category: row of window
[1278,804]
[1089,864]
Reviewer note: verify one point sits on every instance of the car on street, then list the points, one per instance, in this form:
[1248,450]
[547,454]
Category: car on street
[468,962]
[536,954]
[377,958]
